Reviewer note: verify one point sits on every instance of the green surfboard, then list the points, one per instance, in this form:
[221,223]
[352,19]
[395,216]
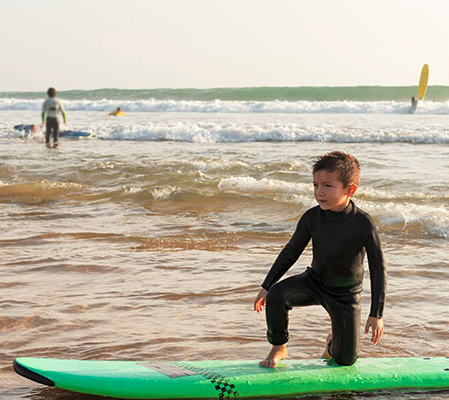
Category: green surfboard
[218,379]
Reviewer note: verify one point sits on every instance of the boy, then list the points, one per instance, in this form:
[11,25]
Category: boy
[52,107]
[340,233]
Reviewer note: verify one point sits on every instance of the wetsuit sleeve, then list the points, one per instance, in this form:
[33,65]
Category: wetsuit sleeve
[378,274]
[62,112]
[43,111]
[289,254]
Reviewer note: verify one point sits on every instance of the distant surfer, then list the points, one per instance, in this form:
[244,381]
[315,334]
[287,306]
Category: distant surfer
[26,129]
[117,113]
[341,233]
[51,109]
[413,107]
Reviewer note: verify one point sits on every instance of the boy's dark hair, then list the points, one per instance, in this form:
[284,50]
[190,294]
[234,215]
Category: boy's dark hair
[51,92]
[337,161]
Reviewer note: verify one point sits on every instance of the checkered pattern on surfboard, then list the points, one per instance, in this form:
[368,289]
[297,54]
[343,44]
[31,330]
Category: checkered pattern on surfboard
[221,383]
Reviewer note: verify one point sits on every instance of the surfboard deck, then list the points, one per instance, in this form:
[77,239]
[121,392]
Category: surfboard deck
[217,379]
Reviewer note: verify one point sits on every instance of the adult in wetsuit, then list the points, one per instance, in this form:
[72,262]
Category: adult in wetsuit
[51,109]
[334,279]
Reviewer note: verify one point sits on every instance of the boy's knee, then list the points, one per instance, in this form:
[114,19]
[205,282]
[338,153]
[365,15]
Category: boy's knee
[275,296]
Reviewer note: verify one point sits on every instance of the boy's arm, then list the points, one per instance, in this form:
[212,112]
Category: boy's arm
[43,113]
[378,275]
[289,254]
[64,117]
[378,278]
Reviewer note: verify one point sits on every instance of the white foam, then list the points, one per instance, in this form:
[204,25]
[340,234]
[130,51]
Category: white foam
[400,217]
[163,193]
[220,106]
[256,131]
[246,127]
[248,184]
[394,195]
[209,132]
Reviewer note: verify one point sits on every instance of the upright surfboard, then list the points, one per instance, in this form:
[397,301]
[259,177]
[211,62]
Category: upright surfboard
[423,80]
[218,379]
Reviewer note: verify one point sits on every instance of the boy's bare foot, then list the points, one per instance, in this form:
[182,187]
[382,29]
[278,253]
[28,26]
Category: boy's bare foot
[276,354]
[326,350]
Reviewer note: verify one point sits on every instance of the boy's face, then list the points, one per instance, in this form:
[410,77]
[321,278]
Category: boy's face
[329,191]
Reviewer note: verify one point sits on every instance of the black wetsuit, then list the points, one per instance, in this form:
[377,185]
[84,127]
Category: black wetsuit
[334,279]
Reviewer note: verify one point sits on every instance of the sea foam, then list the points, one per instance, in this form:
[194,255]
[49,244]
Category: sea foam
[221,106]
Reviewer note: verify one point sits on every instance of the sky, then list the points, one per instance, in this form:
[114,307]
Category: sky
[144,44]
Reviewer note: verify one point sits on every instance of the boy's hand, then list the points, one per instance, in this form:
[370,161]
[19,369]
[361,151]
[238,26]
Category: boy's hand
[261,298]
[377,328]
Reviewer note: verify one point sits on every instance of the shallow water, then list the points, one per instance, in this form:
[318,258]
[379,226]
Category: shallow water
[121,250]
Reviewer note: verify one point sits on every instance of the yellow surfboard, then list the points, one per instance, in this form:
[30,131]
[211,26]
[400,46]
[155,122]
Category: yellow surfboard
[423,80]
[117,113]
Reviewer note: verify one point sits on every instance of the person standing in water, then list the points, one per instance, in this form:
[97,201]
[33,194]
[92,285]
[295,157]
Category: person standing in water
[412,109]
[341,233]
[50,111]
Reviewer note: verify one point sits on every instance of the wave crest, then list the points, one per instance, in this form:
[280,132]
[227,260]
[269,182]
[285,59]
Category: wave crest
[227,106]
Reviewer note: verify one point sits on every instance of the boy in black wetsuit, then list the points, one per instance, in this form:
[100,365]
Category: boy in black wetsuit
[341,233]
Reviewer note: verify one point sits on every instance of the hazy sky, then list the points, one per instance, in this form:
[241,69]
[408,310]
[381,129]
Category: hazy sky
[138,44]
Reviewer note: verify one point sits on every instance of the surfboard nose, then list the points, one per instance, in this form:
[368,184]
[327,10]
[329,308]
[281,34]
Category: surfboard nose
[27,373]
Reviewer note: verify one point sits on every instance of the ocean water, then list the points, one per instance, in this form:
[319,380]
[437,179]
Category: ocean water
[149,240]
